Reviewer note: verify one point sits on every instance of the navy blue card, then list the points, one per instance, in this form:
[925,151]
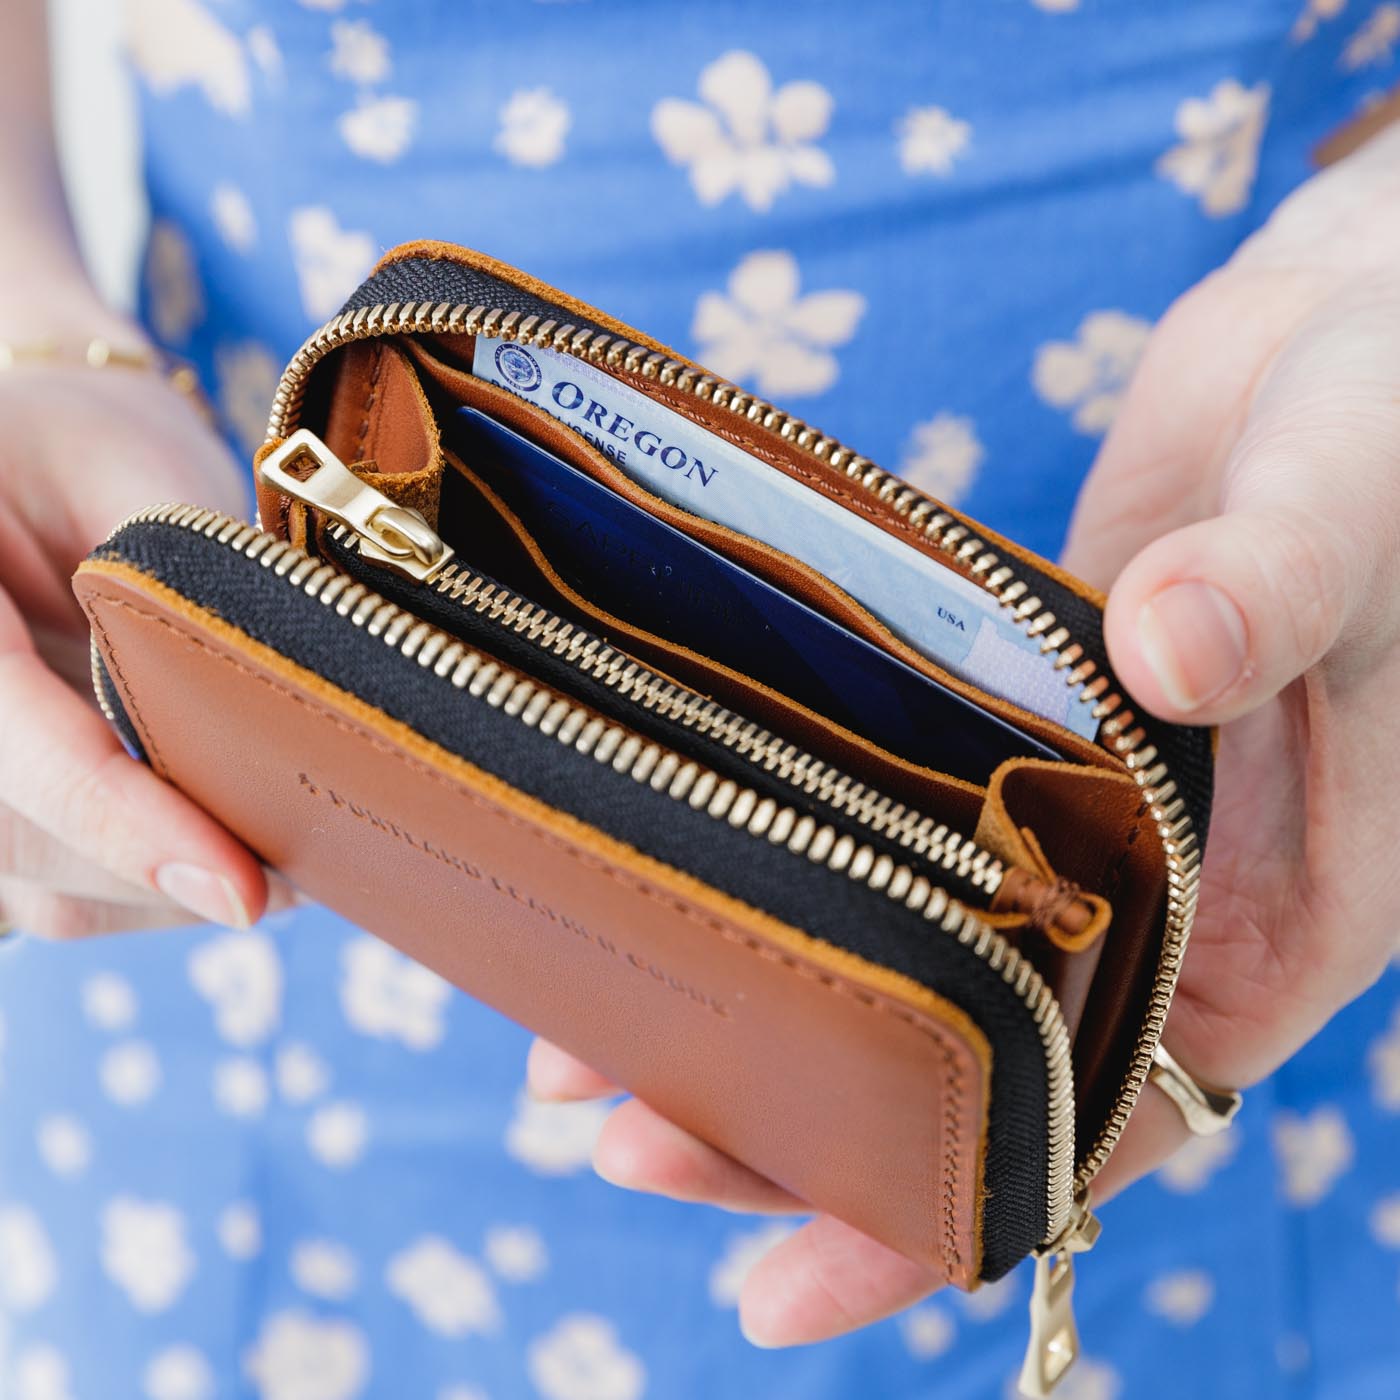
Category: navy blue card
[639,568]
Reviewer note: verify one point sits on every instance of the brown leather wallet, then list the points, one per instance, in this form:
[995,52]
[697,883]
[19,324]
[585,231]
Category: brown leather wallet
[911,963]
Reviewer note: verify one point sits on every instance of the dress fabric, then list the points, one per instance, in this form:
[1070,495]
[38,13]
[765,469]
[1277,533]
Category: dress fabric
[288,1164]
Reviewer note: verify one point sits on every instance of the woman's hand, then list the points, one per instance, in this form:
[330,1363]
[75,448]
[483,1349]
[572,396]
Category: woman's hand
[91,841]
[1245,510]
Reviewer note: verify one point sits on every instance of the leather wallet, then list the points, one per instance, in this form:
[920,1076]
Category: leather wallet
[689,782]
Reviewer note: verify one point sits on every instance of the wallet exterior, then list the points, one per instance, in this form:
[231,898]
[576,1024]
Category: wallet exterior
[852,1086]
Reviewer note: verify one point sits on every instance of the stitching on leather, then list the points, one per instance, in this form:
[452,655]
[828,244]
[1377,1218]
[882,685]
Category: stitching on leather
[819,483]
[1114,881]
[363,434]
[952,1155]
[953,1100]
[133,710]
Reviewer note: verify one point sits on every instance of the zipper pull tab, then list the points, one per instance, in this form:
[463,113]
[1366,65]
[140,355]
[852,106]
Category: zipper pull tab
[305,469]
[1054,1342]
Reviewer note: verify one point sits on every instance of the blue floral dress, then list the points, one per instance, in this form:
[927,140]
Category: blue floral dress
[288,1164]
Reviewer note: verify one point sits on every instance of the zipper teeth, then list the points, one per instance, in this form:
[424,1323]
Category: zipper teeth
[649,763]
[99,689]
[1118,731]
[930,840]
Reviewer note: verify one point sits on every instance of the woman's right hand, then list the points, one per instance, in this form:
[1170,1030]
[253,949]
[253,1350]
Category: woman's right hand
[92,841]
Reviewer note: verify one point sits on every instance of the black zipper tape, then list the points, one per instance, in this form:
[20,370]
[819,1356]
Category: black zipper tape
[823,903]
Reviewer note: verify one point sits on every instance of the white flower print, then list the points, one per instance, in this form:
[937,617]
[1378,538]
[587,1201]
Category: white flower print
[928,1331]
[324,1269]
[240,1086]
[930,140]
[176,298]
[144,1251]
[359,53]
[233,216]
[581,1358]
[1293,1353]
[1313,1150]
[1090,374]
[239,1229]
[1183,1297]
[40,1373]
[266,52]
[1385,1221]
[301,1073]
[301,1357]
[1090,1380]
[64,1144]
[516,1253]
[240,975]
[129,1073]
[1374,43]
[28,1268]
[1193,1164]
[389,996]
[337,1133]
[330,261]
[942,456]
[741,1252]
[178,43]
[379,128]
[179,1373]
[1219,152]
[1383,1060]
[766,335]
[109,1003]
[1314,13]
[245,378]
[749,139]
[534,123]
[449,1293]
[555,1139]
[992,1299]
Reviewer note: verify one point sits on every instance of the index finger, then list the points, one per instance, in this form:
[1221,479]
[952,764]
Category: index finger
[63,769]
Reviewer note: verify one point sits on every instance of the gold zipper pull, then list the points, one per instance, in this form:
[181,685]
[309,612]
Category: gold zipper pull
[305,469]
[1054,1343]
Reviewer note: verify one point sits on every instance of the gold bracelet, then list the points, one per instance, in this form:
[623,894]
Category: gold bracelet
[100,353]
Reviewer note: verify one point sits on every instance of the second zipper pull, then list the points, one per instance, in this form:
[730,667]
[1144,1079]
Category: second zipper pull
[305,469]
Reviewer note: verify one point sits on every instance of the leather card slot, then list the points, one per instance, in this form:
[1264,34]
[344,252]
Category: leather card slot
[450,386]
[502,545]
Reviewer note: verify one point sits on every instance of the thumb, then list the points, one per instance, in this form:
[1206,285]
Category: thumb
[1214,618]
[1211,620]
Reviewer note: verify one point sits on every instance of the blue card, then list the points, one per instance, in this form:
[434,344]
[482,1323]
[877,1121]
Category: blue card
[641,569]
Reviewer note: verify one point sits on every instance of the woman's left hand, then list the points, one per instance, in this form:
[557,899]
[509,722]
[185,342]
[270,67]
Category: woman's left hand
[1246,511]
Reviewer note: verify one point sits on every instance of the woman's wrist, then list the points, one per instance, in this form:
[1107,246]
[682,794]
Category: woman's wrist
[59,316]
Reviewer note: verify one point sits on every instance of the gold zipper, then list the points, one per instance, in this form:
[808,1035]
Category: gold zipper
[1119,731]
[932,841]
[305,468]
[647,762]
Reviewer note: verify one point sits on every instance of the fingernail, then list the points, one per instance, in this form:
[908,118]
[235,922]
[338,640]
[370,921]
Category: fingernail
[1194,639]
[615,1167]
[202,892]
[756,1333]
